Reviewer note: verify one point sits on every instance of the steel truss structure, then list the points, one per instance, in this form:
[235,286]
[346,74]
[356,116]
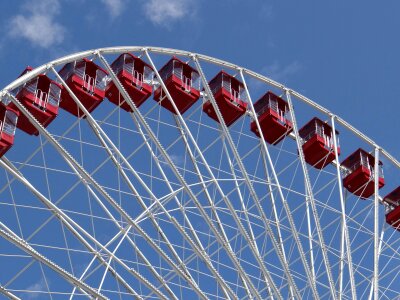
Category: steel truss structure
[156,205]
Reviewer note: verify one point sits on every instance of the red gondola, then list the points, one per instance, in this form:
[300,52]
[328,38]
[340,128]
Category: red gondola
[183,84]
[135,76]
[230,95]
[318,145]
[273,116]
[393,208]
[88,81]
[360,180]
[8,123]
[41,97]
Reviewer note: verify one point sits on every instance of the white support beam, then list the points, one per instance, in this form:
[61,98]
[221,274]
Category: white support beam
[107,143]
[310,197]
[173,167]
[371,291]
[113,272]
[345,243]
[74,228]
[311,280]
[8,294]
[376,224]
[82,173]
[10,236]
[219,234]
[166,51]
[227,136]
[275,212]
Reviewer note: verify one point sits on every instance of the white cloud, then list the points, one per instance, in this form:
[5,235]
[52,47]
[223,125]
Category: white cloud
[115,7]
[38,25]
[175,158]
[266,11]
[278,72]
[36,290]
[165,12]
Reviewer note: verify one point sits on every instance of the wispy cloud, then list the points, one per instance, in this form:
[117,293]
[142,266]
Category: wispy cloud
[175,158]
[36,290]
[266,11]
[37,24]
[162,12]
[276,71]
[115,7]
[279,72]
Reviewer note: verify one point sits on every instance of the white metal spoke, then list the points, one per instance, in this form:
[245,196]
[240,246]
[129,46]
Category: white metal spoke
[311,280]
[184,185]
[244,208]
[161,149]
[214,180]
[8,294]
[198,247]
[312,283]
[276,217]
[110,260]
[269,280]
[81,172]
[70,225]
[100,134]
[345,237]
[376,225]
[247,180]
[160,203]
[9,235]
[310,198]
[118,277]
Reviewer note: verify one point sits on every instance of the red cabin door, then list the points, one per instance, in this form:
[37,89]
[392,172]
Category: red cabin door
[235,95]
[281,115]
[41,99]
[89,83]
[147,75]
[54,95]
[10,123]
[128,64]
[226,83]
[365,163]
[100,82]
[138,78]
[274,105]
[186,83]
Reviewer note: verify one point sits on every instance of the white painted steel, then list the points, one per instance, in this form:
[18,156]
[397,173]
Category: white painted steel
[223,225]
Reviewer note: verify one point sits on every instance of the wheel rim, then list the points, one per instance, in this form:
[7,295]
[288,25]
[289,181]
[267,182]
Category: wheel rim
[231,216]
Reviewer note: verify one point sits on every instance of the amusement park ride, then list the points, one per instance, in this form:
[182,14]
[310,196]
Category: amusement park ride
[91,84]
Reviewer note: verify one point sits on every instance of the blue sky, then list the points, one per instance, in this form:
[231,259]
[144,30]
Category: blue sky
[344,55]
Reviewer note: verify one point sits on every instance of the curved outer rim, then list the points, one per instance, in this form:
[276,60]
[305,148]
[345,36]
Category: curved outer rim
[159,50]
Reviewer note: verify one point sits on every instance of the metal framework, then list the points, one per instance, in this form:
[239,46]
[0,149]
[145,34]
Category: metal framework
[158,205]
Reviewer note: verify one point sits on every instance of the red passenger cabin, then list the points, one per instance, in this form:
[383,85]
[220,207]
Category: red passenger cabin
[87,81]
[135,76]
[393,208]
[318,147]
[183,84]
[41,97]
[8,123]
[273,116]
[230,95]
[360,179]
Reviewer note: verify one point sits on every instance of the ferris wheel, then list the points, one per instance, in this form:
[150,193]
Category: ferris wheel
[153,173]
